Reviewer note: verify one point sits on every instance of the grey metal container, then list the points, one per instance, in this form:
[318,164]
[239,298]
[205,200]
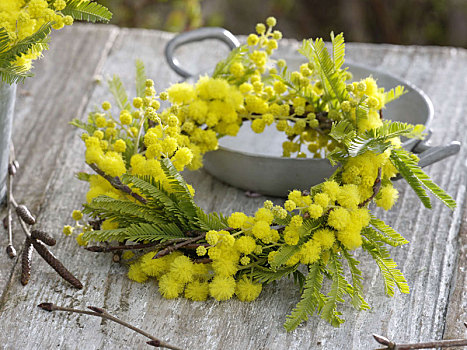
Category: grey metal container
[7,104]
[252,161]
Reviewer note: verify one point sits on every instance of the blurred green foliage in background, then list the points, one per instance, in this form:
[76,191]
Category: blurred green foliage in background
[425,22]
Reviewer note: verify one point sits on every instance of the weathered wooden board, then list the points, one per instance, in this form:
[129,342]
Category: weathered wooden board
[47,181]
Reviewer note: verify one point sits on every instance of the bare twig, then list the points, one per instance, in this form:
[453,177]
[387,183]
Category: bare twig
[10,249]
[99,312]
[44,237]
[376,188]
[117,183]
[177,246]
[448,343]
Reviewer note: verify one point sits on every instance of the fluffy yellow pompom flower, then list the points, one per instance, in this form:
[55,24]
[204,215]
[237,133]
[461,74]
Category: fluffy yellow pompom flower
[331,188]
[181,93]
[183,156]
[197,291]
[339,218]
[261,229]
[237,220]
[310,252]
[222,288]
[136,274]
[182,269]
[170,287]
[349,196]
[125,117]
[155,267]
[247,290]
[252,40]
[315,211]
[387,197]
[245,245]
[263,214]
[201,250]
[325,238]
[351,239]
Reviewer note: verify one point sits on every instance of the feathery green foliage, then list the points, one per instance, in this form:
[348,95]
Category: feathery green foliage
[140,78]
[339,287]
[416,177]
[338,50]
[392,276]
[391,236]
[24,46]
[312,300]
[283,254]
[87,11]
[333,79]
[394,94]
[357,281]
[119,93]
[265,275]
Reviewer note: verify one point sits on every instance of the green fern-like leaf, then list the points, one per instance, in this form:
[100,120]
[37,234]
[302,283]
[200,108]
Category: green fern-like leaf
[119,93]
[338,50]
[4,39]
[416,177]
[343,132]
[140,78]
[12,74]
[394,94]
[392,237]
[87,11]
[124,211]
[265,275]
[118,234]
[357,281]
[392,276]
[339,287]
[153,232]
[333,80]
[284,253]
[179,187]
[377,140]
[89,128]
[38,40]
[211,221]
[312,300]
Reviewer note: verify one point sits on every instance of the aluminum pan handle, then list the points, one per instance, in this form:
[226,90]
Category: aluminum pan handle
[432,154]
[193,36]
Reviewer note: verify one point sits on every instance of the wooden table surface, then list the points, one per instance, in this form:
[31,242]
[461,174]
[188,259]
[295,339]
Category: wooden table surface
[71,81]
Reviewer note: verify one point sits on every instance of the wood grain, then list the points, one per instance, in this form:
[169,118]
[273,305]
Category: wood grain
[429,262]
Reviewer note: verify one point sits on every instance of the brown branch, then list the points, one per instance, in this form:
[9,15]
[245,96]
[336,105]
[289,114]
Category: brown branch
[202,261]
[99,312]
[175,247]
[155,245]
[426,345]
[376,188]
[117,183]
[10,249]
[44,237]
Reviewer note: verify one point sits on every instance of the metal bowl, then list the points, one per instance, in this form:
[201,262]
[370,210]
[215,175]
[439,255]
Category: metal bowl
[253,161]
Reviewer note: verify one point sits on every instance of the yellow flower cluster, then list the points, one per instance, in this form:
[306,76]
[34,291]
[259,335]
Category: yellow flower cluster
[22,18]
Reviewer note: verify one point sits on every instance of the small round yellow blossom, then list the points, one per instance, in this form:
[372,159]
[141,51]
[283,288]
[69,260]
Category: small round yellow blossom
[237,220]
[101,121]
[260,28]
[125,117]
[81,241]
[271,21]
[201,250]
[321,199]
[137,102]
[67,230]
[325,238]
[245,245]
[106,105]
[182,269]
[245,260]
[212,237]
[331,188]
[77,215]
[119,146]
